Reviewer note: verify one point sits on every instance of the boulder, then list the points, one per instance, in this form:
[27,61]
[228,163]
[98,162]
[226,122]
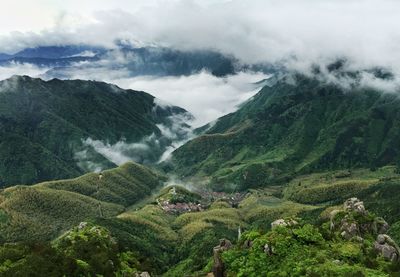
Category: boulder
[354,221]
[284,223]
[218,268]
[387,247]
[349,229]
[269,250]
[354,205]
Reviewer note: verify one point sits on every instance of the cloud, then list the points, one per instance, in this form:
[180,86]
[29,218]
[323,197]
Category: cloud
[207,97]
[293,32]
[149,150]
[13,68]
[204,95]
[120,152]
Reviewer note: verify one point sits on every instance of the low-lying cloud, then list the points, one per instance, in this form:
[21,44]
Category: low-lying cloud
[151,149]
[14,68]
[207,97]
[204,95]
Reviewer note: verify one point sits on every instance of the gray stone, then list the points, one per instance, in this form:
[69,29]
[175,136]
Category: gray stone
[355,205]
[387,247]
[219,268]
[284,223]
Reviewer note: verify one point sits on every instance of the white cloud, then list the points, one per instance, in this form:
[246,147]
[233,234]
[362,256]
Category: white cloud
[205,96]
[14,68]
[120,152]
[366,31]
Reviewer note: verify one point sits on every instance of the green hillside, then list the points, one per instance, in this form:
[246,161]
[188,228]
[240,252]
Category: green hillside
[43,126]
[299,125]
[43,211]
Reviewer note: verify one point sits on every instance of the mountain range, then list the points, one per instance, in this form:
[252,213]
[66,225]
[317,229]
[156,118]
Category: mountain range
[280,178]
[62,61]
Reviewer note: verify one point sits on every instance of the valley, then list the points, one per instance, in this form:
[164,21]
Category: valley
[289,156]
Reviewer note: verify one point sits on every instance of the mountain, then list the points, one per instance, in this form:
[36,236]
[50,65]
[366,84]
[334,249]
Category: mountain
[67,61]
[59,52]
[53,56]
[61,129]
[296,126]
[154,61]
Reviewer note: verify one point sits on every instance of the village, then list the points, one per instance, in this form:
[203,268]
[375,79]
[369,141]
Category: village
[178,200]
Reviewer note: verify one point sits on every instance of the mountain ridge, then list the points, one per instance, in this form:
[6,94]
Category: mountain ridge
[44,124]
[302,127]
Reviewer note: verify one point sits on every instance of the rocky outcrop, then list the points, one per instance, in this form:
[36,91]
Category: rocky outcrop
[284,223]
[354,205]
[218,268]
[353,222]
[387,247]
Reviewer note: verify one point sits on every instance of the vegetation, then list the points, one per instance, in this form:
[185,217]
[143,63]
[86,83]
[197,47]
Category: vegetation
[298,126]
[306,250]
[86,250]
[43,126]
[42,212]
[294,152]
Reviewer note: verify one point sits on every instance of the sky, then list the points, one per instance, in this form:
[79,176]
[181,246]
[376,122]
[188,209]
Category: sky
[297,32]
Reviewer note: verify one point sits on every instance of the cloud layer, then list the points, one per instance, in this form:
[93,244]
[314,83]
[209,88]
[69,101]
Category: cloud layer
[295,32]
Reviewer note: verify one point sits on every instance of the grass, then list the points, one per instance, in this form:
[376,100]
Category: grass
[124,185]
[45,210]
[261,211]
[40,214]
[335,185]
[191,224]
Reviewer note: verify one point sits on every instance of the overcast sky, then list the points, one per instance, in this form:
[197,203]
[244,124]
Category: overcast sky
[365,31]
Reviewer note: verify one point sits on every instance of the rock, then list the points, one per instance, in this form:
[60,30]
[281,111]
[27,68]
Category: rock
[82,225]
[387,247]
[381,226]
[354,205]
[268,249]
[349,229]
[354,222]
[218,268]
[284,223]
[357,239]
[338,262]
[143,274]
[332,215]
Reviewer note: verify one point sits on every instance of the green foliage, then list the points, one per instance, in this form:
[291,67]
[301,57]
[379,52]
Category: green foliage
[43,123]
[394,231]
[308,234]
[95,251]
[175,194]
[87,250]
[44,211]
[292,129]
[301,251]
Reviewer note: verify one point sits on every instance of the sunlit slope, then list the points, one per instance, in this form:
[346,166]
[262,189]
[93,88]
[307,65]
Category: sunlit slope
[299,125]
[40,212]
